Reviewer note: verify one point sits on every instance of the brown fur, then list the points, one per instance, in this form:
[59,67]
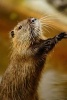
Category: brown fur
[21,78]
[19,81]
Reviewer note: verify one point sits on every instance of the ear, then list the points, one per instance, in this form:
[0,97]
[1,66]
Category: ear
[12,34]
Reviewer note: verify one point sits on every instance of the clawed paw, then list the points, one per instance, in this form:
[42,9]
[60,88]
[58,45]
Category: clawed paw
[65,36]
[62,35]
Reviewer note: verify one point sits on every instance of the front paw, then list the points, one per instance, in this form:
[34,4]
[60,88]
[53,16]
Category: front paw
[65,34]
[61,36]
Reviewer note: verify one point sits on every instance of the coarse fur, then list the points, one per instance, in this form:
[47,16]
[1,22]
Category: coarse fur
[29,52]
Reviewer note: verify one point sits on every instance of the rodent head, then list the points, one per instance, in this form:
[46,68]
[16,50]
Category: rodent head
[26,33]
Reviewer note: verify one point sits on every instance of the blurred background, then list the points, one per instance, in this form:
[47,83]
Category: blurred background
[13,11]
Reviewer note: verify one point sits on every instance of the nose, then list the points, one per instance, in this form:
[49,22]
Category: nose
[32,20]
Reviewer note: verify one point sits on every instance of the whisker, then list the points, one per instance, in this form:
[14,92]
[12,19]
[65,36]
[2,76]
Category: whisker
[51,26]
[56,17]
[47,26]
[48,19]
[46,29]
[46,22]
[48,16]
[45,19]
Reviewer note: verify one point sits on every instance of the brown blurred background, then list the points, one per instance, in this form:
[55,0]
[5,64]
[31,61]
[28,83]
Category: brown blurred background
[13,11]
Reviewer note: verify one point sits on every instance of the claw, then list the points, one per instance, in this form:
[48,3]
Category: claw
[65,35]
[61,36]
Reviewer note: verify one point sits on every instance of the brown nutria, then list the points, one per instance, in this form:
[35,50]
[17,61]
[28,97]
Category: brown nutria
[29,52]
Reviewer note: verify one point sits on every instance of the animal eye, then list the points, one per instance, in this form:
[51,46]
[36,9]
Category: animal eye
[19,27]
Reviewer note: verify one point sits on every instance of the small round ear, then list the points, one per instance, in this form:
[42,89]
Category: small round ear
[12,34]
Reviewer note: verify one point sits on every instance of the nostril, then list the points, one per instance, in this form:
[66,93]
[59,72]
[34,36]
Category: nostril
[33,19]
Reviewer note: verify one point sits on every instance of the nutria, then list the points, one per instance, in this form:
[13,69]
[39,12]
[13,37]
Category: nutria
[29,52]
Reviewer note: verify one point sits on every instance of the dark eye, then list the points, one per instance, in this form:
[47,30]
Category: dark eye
[19,27]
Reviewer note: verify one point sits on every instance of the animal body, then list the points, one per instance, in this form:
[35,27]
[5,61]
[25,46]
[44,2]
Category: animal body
[29,51]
